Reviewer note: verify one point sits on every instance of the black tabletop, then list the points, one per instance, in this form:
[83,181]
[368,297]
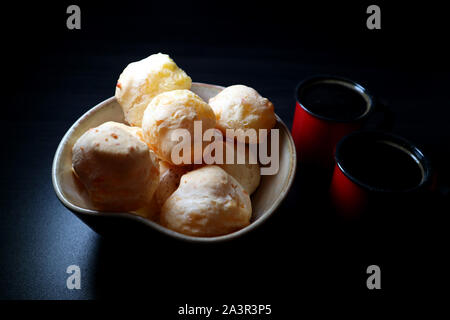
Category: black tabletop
[54,75]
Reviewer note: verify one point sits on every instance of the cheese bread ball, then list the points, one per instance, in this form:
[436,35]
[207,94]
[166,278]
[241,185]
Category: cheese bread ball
[141,81]
[172,110]
[209,202]
[116,167]
[168,182]
[241,107]
[247,174]
[163,167]
[150,211]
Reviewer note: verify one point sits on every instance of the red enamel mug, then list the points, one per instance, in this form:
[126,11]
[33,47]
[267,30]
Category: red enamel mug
[327,109]
[378,171]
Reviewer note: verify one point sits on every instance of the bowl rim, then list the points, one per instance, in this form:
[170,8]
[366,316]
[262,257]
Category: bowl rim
[157,227]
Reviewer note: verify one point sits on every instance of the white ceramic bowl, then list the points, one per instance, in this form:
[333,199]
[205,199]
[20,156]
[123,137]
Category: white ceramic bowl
[265,199]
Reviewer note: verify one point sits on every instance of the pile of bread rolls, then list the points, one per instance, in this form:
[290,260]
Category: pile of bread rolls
[128,168]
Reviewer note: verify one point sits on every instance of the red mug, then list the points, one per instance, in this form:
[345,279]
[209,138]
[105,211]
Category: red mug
[327,109]
[377,170]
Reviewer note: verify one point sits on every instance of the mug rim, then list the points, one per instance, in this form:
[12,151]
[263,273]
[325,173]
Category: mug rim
[350,83]
[396,139]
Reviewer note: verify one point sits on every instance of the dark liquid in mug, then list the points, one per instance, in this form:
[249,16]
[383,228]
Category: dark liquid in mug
[333,100]
[384,166]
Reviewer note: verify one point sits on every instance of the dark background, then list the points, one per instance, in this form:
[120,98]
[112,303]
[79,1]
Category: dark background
[53,75]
